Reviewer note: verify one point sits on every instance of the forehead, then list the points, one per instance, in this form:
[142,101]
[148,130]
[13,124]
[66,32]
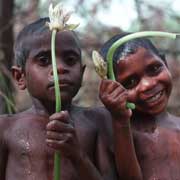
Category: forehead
[64,41]
[136,61]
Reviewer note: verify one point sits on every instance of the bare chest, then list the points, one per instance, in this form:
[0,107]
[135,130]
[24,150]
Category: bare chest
[31,159]
[159,154]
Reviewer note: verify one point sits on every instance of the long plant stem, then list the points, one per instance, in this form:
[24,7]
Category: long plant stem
[125,39]
[58,101]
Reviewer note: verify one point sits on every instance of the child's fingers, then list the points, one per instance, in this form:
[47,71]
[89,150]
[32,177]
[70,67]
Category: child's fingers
[108,85]
[112,98]
[118,92]
[56,144]
[59,126]
[66,144]
[62,116]
[119,102]
[58,136]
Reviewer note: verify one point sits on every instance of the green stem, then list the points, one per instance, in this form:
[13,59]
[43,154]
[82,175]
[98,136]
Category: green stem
[55,73]
[58,101]
[127,38]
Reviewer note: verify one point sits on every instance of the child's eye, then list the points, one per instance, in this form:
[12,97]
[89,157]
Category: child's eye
[154,69]
[130,83]
[71,60]
[44,60]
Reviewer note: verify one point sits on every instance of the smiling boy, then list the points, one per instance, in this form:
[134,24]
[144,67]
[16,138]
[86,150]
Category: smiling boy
[147,140]
[29,139]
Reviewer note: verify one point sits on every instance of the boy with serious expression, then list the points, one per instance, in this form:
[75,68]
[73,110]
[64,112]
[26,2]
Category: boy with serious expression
[147,140]
[29,139]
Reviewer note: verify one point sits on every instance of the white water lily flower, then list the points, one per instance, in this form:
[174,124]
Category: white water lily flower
[58,18]
[100,64]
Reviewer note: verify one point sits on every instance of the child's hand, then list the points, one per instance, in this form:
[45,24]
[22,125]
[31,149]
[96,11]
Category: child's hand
[61,135]
[114,96]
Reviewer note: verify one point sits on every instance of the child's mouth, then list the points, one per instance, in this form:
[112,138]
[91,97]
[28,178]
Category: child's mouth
[62,84]
[156,97]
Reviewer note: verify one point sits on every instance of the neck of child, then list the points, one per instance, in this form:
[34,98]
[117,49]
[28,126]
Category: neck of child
[48,107]
[146,122]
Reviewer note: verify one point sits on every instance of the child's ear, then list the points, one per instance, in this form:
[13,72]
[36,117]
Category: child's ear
[19,76]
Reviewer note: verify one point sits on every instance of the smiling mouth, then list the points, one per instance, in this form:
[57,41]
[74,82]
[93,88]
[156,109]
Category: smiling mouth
[156,97]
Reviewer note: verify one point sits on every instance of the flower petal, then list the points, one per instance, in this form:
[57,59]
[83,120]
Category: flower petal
[71,26]
[58,18]
[67,16]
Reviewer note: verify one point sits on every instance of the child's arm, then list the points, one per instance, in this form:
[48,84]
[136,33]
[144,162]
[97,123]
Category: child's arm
[114,97]
[61,136]
[104,153]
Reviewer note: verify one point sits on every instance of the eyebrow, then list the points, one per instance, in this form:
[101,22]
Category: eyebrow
[75,52]
[39,53]
[154,60]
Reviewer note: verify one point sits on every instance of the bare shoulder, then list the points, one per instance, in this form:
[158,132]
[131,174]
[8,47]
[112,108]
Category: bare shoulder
[9,121]
[98,117]
[174,121]
[5,123]
[170,122]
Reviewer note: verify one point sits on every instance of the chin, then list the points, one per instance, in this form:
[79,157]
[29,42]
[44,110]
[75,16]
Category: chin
[154,110]
[65,99]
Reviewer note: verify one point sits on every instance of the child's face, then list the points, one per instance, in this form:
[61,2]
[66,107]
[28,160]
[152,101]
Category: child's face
[38,69]
[147,80]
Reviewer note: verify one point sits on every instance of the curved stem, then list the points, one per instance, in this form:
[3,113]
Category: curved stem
[58,101]
[129,37]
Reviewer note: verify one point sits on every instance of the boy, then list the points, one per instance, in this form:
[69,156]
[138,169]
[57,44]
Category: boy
[147,140]
[29,139]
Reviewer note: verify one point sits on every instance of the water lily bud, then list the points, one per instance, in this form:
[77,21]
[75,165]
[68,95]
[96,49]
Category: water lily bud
[100,64]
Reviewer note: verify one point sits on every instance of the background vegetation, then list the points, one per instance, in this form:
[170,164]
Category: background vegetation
[95,28]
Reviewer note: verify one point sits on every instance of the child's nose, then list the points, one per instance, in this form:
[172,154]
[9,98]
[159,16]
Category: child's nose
[147,83]
[61,69]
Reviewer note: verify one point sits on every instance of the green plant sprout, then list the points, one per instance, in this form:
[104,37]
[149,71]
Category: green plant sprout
[58,22]
[110,72]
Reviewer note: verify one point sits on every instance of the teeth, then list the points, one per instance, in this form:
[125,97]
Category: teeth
[155,98]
